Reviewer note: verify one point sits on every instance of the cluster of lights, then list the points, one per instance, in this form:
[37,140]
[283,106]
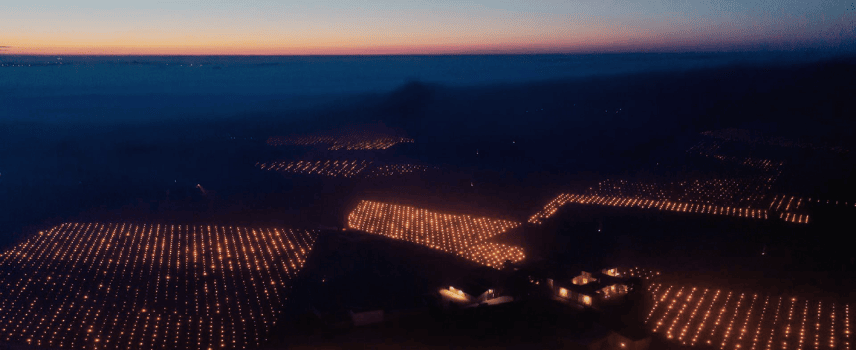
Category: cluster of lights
[745,197]
[742,192]
[553,206]
[790,321]
[710,149]
[493,254]
[574,296]
[802,326]
[341,168]
[658,298]
[743,330]
[463,235]
[719,318]
[128,286]
[16,65]
[705,317]
[762,322]
[785,203]
[692,317]
[455,294]
[332,168]
[847,327]
[395,169]
[613,290]
[733,318]
[669,308]
[771,171]
[680,312]
[349,140]
[763,164]
[749,190]
[773,331]
[817,326]
[795,218]
[639,272]
[583,279]
[631,272]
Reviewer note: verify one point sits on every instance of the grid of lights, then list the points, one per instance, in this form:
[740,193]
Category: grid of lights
[129,286]
[332,168]
[395,169]
[349,140]
[745,197]
[711,148]
[669,308]
[632,272]
[768,322]
[658,298]
[705,317]
[493,254]
[795,218]
[553,206]
[771,171]
[341,168]
[462,235]
[784,203]
[739,192]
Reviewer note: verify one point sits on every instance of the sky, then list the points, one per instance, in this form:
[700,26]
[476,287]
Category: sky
[334,27]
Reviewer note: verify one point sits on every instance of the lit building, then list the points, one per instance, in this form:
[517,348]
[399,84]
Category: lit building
[583,279]
[592,290]
[580,295]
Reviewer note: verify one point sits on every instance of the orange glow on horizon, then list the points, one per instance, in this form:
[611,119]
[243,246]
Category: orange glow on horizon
[589,41]
[592,43]
[437,49]
[346,29]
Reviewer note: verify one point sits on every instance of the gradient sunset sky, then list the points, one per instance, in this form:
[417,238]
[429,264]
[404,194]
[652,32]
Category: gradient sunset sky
[193,27]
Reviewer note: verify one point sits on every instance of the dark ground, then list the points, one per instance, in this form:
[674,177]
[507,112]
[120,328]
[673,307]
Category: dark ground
[533,140]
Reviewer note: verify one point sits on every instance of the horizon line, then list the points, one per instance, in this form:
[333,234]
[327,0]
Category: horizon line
[476,53]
